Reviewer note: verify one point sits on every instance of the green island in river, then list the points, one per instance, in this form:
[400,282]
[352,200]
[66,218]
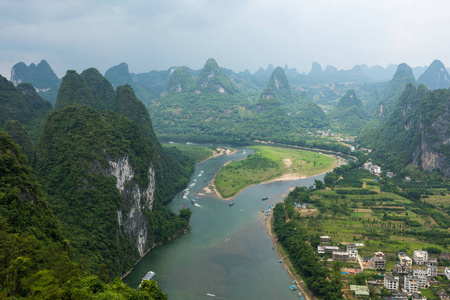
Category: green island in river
[269,163]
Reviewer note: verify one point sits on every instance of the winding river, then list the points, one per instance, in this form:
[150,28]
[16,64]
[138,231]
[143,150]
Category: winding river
[227,253]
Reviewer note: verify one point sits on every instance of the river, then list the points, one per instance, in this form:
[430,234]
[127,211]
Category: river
[227,253]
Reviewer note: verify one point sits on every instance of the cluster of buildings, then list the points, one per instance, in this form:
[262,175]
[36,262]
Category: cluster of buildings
[374,169]
[337,254]
[412,280]
[404,282]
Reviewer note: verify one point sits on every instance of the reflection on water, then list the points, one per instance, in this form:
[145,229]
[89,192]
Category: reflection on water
[227,253]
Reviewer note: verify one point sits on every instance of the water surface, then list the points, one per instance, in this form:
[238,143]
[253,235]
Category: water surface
[227,251]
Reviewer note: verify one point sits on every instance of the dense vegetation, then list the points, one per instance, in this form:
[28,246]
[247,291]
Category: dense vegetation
[35,258]
[349,114]
[302,255]
[269,163]
[414,132]
[72,160]
[196,153]
[354,206]
[212,109]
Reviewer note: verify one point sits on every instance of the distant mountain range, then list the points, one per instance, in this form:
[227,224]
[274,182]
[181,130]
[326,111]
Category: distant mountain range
[149,86]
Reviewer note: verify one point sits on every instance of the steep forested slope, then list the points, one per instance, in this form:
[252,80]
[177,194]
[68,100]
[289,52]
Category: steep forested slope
[349,115]
[417,132]
[34,255]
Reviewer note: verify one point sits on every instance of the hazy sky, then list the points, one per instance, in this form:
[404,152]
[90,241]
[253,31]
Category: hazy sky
[239,34]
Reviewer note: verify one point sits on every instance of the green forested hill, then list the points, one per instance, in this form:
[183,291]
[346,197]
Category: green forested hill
[101,88]
[22,104]
[40,76]
[120,75]
[222,113]
[213,79]
[180,81]
[105,172]
[35,258]
[73,90]
[415,133]
[435,76]
[77,155]
[349,115]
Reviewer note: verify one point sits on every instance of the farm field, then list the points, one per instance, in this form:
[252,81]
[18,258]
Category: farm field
[377,214]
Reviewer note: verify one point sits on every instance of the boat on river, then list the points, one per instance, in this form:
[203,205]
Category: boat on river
[148,276]
[265,198]
[193,201]
[231,204]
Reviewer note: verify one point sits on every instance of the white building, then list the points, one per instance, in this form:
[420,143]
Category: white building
[432,271]
[410,284]
[421,276]
[391,282]
[447,273]
[420,257]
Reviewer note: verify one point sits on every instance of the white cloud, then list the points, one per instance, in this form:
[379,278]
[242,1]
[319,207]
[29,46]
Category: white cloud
[240,34]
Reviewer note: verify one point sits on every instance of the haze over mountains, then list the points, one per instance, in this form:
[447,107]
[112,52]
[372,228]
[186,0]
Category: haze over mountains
[93,141]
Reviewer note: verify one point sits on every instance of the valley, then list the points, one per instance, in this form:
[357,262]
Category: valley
[128,165]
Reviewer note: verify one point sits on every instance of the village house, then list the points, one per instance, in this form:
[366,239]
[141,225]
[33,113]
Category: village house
[431,261]
[372,168]
[352,251]
[421,276]
[391,282]
[359,291]
[325,239]
[404,259]
[401,269]
[420,257]
[389,174]
[410,284]
[341,255]
[432,271]
[326,249]
[379,260]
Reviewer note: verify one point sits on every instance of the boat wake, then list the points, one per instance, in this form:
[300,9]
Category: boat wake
[198,205]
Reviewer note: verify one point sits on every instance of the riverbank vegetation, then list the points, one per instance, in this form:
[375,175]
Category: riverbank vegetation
[354,206]
[194,152]
[268,163]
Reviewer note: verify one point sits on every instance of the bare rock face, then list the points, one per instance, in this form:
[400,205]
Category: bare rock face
[136,198]
[430,153]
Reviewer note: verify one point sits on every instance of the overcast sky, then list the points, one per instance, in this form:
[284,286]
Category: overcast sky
[239,34]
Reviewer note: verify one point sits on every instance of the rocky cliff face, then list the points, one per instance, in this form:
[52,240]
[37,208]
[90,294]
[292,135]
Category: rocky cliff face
[417,132]
[136,198]
[432,153]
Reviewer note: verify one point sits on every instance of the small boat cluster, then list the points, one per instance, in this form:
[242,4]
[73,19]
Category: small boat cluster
[267,212]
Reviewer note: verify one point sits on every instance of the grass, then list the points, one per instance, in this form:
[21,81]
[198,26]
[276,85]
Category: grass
[269,163]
